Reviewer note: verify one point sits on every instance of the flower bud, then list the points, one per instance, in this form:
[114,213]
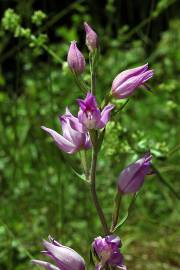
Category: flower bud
[91,38]
[132,177]
[75,59]
[64,257]
[126,82]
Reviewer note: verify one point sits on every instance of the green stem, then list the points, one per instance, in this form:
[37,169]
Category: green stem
[127,214]
[92,72]
[162,180]
[106,100]
[115,215]
[79,83]
[120,109]
[93,191]
[52,53]
[84,163]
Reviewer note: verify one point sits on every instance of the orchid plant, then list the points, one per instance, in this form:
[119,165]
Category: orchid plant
[85,132]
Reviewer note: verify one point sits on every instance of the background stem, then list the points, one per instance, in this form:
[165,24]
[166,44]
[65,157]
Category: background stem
[164,182]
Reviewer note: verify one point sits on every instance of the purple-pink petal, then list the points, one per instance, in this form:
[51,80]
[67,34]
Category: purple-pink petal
[147,75]
[91,38]
[82,104]
[107,249]
[105,116]
[87,143]
[46,265]
[74,122]
[90,115]
[113,240]
[127,81]
[65,257]
[53,241]
[88,103]
[132,177]
[127,87]
[98,266]
[116,259]
[75,59]
[126,74]
[75,136]
[61,142]
[71,134]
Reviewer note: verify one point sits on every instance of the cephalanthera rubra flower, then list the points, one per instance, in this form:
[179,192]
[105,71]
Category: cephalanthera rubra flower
[90,115]
[132,177]
[107,250]
[126,82]
[75,59]
[64,257]
[74,138]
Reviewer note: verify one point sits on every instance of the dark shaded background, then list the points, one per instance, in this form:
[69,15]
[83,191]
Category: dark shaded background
[110,16]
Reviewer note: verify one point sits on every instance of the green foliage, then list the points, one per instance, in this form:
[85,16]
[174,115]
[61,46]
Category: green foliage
[38,17]
[11,20]
[39,193]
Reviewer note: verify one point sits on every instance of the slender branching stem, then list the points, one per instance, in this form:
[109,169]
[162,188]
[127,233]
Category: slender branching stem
[95,150]
[94,193]
[115,216]
[123,220]
[80,83]
[85,164]
[92,72]
[164,182]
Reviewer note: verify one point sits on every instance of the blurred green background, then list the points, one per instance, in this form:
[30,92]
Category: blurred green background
[39,194]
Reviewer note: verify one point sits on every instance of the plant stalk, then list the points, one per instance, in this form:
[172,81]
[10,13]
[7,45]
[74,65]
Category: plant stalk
[85,163]
[94,194]
[92,72]
[115,215]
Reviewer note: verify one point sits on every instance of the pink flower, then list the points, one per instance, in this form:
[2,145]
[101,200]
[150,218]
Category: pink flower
[90,115]
[132,177]
[126,82]
[107,250]
[74,138]
[64,257]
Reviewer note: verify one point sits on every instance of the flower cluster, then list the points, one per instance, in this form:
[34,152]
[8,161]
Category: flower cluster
[75,129]
[83,132]
[107,251]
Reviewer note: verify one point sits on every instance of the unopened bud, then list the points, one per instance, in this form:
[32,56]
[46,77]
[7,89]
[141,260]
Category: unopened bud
[75,59]
[91,38]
